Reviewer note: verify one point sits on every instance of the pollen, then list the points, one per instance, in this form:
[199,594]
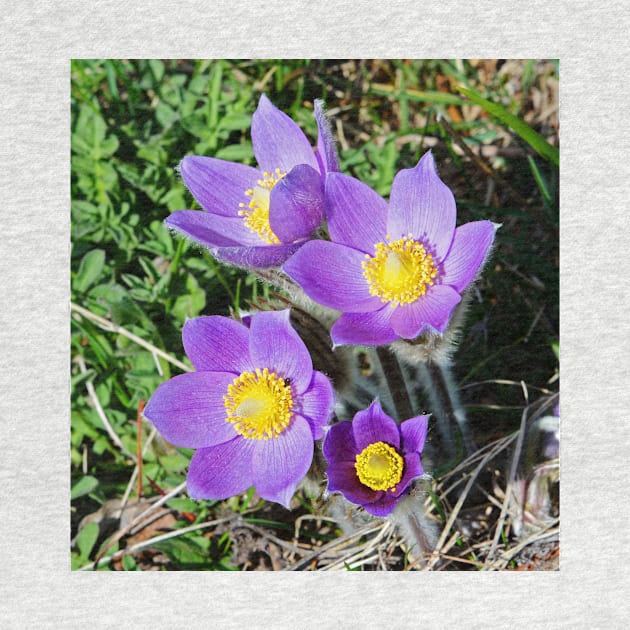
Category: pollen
[259,404]
[400,271]
[255,213]
[379,466]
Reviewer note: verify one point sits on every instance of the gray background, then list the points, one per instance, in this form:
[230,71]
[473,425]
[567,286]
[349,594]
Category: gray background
[37,42]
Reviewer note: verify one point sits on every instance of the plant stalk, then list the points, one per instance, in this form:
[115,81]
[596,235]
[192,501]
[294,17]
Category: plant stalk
[396,383]
[446,407]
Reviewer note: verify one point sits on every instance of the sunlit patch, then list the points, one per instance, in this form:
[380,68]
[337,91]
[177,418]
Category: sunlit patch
[259,404]
[256,212]
[400,271]
[379,466]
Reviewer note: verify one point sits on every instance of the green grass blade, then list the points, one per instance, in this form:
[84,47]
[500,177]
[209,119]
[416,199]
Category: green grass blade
[422,96]
[540,181]
[534,139]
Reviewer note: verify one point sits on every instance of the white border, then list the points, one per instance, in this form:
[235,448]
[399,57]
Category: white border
[39,39]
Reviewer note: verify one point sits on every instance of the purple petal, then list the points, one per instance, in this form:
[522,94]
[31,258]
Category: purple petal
[331,274]
[421,204]
[317,404]
[188,410]
[326,152]
[279,464]
[356,215]
[274,344]
[262,257]
[339,444]
[414,433]
[342,477]
[212,230]
[296,205]
[469,249]
[364,329]
[412,470]
[217,344]
[221,471]
[217,185]
[433,310]
[278,141]
[383,505]
[374,425]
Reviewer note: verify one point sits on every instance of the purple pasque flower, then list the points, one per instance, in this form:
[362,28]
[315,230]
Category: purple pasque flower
[252,408]
[394,270]
[258,217]
[372,460]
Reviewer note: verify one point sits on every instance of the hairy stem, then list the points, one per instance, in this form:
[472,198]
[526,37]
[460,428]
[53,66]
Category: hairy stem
[419,532]
[395,382]
[446,407]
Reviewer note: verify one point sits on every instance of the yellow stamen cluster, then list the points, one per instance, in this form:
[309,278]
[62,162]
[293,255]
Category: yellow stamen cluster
[256,212]
[400,271]
[259,404]
[379,466]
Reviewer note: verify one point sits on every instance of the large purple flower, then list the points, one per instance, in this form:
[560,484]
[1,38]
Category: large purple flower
[252,408]
[372,460]
[394,270]
[257,217]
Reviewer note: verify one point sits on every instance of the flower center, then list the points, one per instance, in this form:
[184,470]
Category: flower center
[400,271]
[259,404]
[379,466]
[256,212]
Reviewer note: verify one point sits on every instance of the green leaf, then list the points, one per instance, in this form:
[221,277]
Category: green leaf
[111,79]
[197,125]
[198,84]
[236,152]
[98,342]
[86,539]
[157,68]
[188,551]
[182,504]
[214,93]
[84,486]
[165,114]
[424,96]
[540,181]
[109,146]
[191,304]
[90,270]
[235,122]
[129,563]
[89,132]
[82,426]
[124,310]
[76,561]
[174,463]
[534,139]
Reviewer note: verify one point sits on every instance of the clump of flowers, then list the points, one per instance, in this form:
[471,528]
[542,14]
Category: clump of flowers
[252,408]
[372,460]
[258,217]
[394,270]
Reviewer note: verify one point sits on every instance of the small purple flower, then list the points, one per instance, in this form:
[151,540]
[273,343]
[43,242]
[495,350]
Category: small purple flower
[252,408]
[258,217]
[372,460]
[394,270]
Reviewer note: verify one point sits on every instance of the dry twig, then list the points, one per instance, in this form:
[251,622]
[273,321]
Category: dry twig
[110,326]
